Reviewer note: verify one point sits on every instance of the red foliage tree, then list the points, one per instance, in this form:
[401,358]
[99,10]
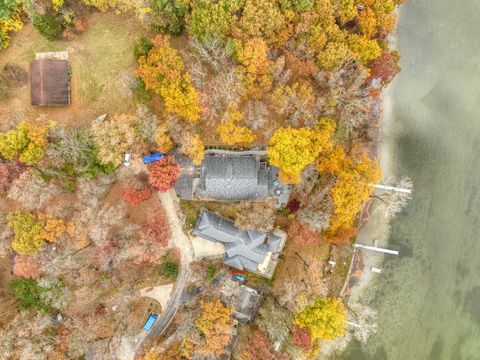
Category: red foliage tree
[157,231]
[26,266]
[154,238]
[163,173]
[9,171]
[385,67]
[301,337]
[293,206]
[134,196]
[259,347]
[301,235]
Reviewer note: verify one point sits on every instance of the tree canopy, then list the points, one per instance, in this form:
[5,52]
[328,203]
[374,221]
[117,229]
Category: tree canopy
[214,323]
[325,319]
[293,149]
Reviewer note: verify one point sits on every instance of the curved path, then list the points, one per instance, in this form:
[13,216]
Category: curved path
[182,242]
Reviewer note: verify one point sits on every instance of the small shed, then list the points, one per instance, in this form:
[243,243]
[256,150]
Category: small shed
[50,84]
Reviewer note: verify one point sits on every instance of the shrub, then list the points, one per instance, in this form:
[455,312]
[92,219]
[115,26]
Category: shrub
[4,90]
[134,196]
[301,235]
[37,295]
[170,270]
[211,271]
[171,14]
[47,26]
[142,47]
[26,266]
[141,94]
[9,171]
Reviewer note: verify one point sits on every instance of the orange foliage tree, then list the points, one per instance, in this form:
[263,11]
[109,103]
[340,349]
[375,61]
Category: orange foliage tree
[302,235]
[214,323]
[163,173]
[343,236]
[256,67]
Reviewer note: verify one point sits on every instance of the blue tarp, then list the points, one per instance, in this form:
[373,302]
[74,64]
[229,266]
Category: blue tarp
[150,321]
[152,157]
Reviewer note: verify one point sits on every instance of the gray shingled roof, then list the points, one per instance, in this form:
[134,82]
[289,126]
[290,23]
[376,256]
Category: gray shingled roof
[232,178]
[245,249]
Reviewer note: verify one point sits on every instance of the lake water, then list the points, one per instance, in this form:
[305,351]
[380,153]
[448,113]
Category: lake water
[428,298]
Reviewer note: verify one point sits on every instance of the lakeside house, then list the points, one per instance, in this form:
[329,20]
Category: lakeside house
[49,79]
[251,250]
[232,177]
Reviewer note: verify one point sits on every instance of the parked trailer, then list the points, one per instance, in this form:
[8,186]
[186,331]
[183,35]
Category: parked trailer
[239,278]
[150,321]
[152,157]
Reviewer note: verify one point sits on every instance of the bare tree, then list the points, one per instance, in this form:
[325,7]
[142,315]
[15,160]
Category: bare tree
[392,202]
[255,215]
[211,52]
[346,89]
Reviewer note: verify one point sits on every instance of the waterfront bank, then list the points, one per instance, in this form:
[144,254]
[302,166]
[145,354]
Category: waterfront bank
[427,298]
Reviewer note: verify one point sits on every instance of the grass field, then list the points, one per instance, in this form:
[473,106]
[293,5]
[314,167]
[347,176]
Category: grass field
[102,68]
[191,209]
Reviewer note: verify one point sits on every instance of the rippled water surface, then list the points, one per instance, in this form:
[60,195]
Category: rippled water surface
[429,297]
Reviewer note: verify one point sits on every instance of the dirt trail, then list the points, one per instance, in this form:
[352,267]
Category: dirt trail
[181,241]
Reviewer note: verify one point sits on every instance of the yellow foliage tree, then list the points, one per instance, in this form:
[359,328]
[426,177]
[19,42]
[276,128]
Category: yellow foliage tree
[8,25]
[332,162]
[194,149]
[352,187]
[27,142]
[334,54]
[263,19]
[325,319]
[162,139]
[162,64]
[232,134]
[214,323]
[347,10]
[293,149]
[256,67]
[31,231]
[57,4]
[363,48]
[384,13]
[161,71]
[181,98]
[118,5]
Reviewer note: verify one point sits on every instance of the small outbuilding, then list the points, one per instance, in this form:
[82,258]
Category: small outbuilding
[50,83]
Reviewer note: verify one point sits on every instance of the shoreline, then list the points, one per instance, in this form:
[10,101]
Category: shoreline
[359,286]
